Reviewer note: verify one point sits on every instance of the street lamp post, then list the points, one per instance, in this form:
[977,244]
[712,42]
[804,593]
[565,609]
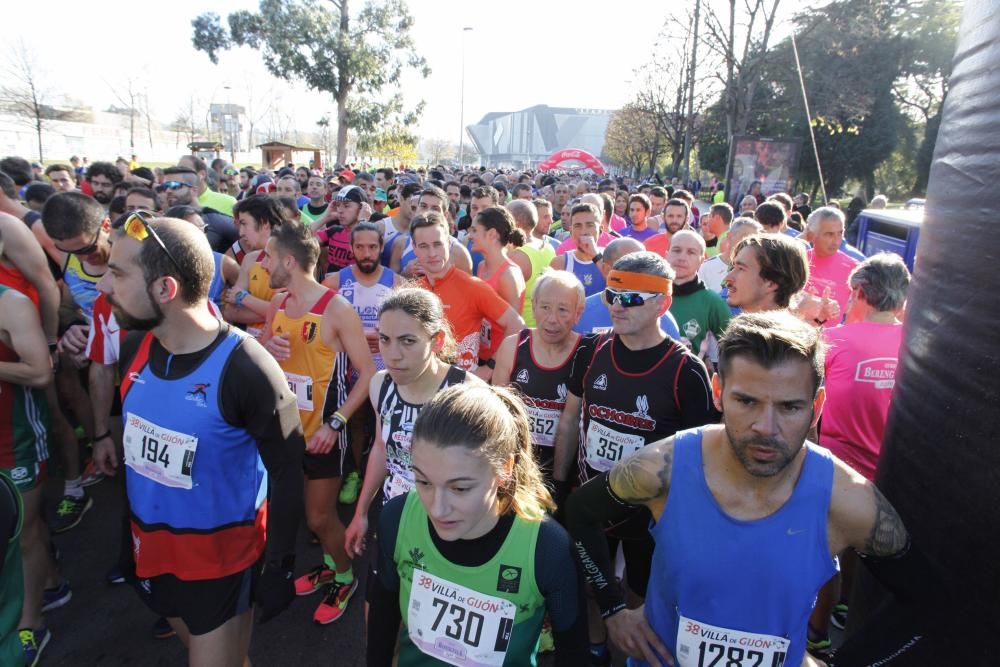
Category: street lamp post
[227,122]
[461,121]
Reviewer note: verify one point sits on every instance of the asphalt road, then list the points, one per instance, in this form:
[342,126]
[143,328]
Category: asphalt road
[109,625]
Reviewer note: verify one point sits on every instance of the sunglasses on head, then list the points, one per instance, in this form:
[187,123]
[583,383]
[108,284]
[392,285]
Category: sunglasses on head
[174,185]
[628,298]
[137,227]
[230,171]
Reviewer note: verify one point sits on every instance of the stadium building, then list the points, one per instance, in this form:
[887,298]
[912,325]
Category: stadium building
[524,138]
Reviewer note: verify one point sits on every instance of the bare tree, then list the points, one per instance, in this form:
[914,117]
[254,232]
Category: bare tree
[26,97]
[187,122]
[438,150]
[147,114]
[126,91]
[258,105]
[739,37]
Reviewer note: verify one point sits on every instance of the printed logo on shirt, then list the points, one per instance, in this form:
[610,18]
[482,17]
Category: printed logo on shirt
[18,473]
[198,395]
[691,328]
[588,279]
[561,392]
[522,375]
[509,579]
[135,377]
[642,406]
[880,371]
[638,420]
[309,331]
[601,382]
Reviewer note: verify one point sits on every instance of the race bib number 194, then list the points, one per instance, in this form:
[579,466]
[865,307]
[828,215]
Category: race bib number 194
[158,453]
[458,625]
[703,645]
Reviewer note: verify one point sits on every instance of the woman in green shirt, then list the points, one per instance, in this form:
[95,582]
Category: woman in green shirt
[469,561]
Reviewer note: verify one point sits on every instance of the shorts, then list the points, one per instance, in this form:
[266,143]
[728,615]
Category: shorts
[637,547]
[203,604]
[326,466]
[27,475]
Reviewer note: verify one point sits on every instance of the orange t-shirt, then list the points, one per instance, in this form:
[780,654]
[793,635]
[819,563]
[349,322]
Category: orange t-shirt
[658,243]
[467,302]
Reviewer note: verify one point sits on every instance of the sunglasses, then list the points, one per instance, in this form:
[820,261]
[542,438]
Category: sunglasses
[628,299]
[86,250]
[137,226]
[174,185]
[230,171]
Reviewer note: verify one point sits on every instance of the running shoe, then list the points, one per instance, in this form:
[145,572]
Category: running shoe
[115,576]
[349,489]
[91,475]
[70,512]
[162,629]
[53,598]
[819,647]
[838,617]
[313,580]
[334,602]
[33,642]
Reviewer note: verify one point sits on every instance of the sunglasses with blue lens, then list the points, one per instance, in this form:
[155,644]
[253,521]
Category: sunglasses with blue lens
[628,298]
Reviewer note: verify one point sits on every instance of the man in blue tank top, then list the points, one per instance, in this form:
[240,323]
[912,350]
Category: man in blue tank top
[748,516]
[212,447]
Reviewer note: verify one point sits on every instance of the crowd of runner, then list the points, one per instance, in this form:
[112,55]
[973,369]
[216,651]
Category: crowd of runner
[571,412]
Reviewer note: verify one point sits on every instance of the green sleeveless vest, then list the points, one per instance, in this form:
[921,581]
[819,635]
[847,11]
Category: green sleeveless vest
[509,576]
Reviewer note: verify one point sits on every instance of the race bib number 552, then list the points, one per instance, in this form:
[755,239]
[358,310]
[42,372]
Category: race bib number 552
[158,453]
[458,625]
[703,645]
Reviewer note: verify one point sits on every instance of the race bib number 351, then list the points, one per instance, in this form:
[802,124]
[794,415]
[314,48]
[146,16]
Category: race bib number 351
[458,625]
[703,645]
[606,447]
[158,453]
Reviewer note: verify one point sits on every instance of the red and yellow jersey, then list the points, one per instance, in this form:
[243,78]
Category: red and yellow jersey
[260,287]
[312,368]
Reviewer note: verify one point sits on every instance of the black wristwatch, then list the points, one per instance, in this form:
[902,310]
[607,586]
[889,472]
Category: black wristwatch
[336,423]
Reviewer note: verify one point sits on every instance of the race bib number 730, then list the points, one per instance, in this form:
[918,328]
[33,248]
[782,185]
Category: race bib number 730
[458,625]
[703,645]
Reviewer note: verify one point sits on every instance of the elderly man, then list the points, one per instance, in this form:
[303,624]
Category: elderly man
[829,266]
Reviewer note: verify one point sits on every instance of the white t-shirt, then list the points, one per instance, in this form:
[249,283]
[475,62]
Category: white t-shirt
[712,272]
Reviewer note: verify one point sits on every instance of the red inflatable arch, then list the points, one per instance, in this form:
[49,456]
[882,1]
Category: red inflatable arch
[586,160]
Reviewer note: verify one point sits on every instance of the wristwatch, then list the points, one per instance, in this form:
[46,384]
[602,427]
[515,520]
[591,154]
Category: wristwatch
[336,422]
[242,294]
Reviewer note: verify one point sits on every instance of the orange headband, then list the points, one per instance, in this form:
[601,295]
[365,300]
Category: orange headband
[638,282]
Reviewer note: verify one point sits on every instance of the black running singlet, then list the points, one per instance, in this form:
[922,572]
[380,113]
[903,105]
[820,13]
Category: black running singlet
[544,390]
[624,411]
[397,417]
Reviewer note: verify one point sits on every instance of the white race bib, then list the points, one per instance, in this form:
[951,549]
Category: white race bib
[486,335]
[400,482]
[606,447]
[456,624]
[543,423]
[703,645]
[302,387]
[158,453]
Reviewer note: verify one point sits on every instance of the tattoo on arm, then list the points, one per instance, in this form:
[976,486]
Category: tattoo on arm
[888,535]
[645,476]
